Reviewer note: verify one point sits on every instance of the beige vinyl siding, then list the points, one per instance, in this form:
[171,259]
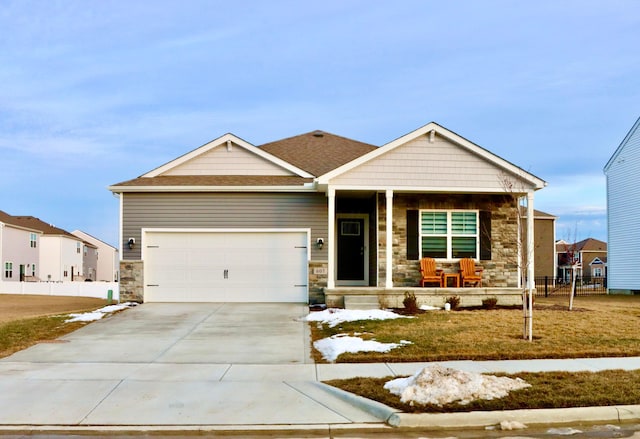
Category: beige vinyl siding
[223,210]
[220,161]
[420,163]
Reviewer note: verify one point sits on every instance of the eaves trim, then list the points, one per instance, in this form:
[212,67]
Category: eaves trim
[149,189]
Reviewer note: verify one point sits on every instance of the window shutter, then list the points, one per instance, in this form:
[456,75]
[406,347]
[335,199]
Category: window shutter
[412,235]
[485,235]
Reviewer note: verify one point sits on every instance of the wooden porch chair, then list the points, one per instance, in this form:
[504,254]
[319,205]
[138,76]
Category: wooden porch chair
[469,273]
[429,272]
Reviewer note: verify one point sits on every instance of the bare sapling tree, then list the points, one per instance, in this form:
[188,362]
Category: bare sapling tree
[523,256]
[572,259]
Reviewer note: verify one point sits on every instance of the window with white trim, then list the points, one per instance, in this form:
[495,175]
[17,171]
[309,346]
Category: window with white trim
[33,240]
[449,234]
[8,270]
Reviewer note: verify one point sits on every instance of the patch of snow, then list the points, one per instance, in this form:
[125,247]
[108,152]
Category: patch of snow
[512,425]
[85,317]
[565,431]
[335,316]
[429,308]
[440,385]
[333,346]
[99,313]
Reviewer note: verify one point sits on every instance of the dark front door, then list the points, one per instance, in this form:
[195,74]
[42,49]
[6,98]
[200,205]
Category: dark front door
[351,249]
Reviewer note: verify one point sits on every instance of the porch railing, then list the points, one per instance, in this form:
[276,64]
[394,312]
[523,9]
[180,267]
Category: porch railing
[548,286]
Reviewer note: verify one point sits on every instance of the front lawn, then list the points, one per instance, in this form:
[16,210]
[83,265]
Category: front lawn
[29,319]
[599,326]
[548,390]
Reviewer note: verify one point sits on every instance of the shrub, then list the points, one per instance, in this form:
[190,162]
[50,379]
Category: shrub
[490,303]
[410,302]
[383,301]
[454,302]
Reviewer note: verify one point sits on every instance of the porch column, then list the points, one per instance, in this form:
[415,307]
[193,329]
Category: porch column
[531,281]
[389,246]
[530,242]
[331,234]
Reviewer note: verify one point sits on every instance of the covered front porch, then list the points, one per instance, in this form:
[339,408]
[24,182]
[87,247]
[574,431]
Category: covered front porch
[430,193]
[363,269]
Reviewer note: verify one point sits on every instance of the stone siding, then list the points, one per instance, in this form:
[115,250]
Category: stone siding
[131,281]
[318,275]
[501,271]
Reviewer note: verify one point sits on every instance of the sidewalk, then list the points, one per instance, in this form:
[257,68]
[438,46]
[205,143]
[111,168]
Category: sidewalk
[172,396]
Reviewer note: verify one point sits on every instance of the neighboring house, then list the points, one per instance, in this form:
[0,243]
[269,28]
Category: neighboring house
[590,253]
[545,244]
[19,249]
[316,214]
[61,253]
[89,261]
[623,214]
[107,255]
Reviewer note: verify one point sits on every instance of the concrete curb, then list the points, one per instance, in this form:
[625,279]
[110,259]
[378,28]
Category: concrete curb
[528,417]
[374,408]
[396,418]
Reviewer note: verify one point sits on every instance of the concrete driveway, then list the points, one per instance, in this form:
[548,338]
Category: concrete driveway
[175,366]
[212,333]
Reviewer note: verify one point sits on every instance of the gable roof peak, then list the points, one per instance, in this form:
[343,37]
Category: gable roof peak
[228,139]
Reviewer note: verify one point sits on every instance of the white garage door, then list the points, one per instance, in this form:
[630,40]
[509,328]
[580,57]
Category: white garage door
[225,266]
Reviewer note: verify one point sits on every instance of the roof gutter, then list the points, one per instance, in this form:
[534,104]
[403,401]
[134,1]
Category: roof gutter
[308,187]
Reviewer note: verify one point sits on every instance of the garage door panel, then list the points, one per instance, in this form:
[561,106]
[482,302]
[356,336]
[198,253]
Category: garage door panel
[234,267]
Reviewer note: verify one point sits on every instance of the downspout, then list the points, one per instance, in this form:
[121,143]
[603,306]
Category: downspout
[389,239]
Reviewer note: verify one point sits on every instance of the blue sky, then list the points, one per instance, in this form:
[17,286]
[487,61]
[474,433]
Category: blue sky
[96,92]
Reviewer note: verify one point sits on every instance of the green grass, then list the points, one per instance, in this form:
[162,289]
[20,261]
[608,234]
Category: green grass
[548,390]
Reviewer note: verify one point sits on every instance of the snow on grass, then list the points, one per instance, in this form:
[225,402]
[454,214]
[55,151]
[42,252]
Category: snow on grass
[441,385]
[335,316]
[332,347]
[99,313]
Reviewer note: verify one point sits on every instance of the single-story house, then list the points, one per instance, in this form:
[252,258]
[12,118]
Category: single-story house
[317,217]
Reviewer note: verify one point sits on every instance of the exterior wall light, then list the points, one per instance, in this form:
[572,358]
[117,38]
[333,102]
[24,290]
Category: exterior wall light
[320,243]
[131,243]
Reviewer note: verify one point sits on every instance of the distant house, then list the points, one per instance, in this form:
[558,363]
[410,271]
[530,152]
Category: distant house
[544,238]
[623,214]
[61,252]
[590,253]
[19,249]
[89,261]
[107,257]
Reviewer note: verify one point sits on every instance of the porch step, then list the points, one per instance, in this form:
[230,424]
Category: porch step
[361,302]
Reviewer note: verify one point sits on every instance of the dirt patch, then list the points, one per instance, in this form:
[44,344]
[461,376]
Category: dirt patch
[16,307]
